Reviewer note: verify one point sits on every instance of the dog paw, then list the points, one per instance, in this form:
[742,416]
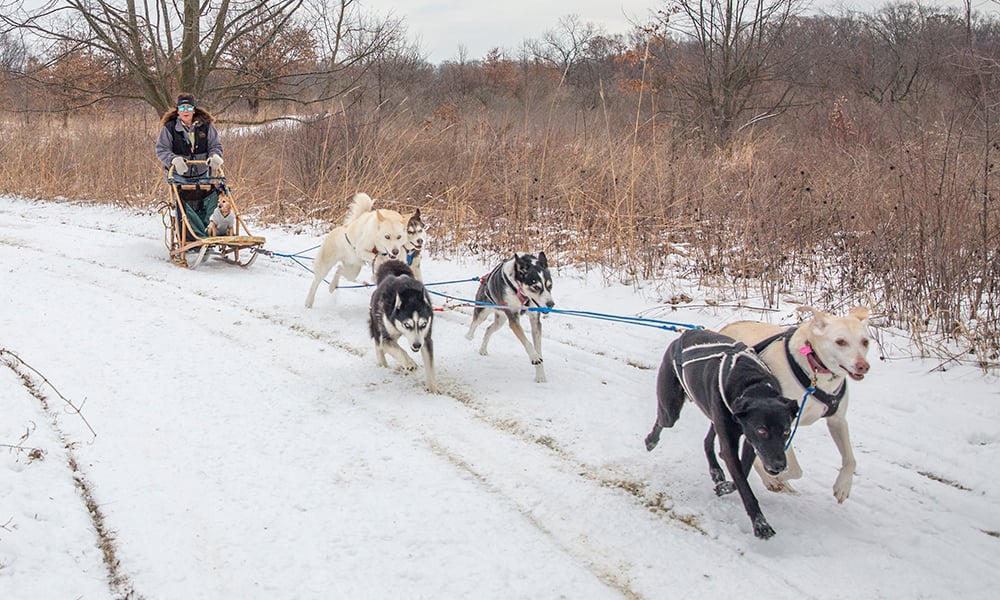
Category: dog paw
[724,487]
[761,528]
[842,488]
[651,442]
[780,486]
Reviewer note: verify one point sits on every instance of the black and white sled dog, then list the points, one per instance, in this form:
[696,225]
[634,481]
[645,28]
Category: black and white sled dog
[518,283]
[401,307]
[740,396]
[416,238]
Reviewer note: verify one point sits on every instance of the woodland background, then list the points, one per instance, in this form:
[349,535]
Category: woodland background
[765,149]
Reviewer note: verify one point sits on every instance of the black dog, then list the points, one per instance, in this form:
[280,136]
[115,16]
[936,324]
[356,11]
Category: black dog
[400,307]
[734,389]
[513,286]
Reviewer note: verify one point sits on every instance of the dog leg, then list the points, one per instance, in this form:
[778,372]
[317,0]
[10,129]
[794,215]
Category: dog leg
[322,267]
[722,487]
[380,355]
[350,271]
[498,320]
[669,400]
[535,320]
[427,352]
[747,457]
[728,443]
[775,483]
[478,316]
[837,425]
[515,326]
[406,363]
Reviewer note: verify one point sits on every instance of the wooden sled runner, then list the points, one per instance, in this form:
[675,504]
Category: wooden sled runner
[239,248]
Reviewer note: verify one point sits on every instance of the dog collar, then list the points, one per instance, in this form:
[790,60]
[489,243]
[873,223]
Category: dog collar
[814,362]
[830,400]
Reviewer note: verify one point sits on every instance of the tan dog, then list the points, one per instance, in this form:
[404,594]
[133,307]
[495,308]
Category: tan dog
[223,219]
[365,235]
[416,237]
[822,351]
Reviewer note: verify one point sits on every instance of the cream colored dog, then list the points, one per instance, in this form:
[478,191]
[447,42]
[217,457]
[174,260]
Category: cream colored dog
[365,235]
[823,352]
[223,219]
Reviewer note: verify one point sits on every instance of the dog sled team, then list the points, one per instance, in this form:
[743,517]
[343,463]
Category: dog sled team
[753,381]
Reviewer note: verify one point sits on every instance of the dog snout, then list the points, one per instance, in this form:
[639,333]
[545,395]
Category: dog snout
[416,346]
[861,367]
[776,466]
[394,252]
[550,303]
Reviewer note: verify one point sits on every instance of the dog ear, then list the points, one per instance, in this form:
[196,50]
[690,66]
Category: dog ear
[416,214]
[378,216]
[805,311]
[542,261]
[860,313]
[399,301]
[740,408]
[792,405]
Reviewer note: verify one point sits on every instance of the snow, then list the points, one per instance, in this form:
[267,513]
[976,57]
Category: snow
[248,447]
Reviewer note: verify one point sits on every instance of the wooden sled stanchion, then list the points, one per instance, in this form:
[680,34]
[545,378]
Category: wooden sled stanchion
[239,248]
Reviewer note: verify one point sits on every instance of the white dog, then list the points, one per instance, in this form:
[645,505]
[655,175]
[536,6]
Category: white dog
[416,238]
[823,351]
[364,236]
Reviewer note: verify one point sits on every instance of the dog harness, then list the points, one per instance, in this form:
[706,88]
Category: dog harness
[830,400]
[727,353]
[524,300]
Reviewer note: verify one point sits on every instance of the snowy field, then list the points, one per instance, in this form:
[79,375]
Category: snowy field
[247,447]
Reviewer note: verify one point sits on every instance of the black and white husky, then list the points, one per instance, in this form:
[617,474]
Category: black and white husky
[518,283]
[401,307]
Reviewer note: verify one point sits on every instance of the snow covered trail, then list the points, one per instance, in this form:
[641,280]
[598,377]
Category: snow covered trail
[248,447]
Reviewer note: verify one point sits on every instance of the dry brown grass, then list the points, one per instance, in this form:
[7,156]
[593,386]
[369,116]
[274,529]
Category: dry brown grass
[905,223]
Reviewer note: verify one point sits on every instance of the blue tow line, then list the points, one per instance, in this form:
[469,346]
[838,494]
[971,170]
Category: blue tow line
[802,406]
[655,323]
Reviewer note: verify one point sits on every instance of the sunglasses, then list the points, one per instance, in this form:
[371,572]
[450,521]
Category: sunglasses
[185,108]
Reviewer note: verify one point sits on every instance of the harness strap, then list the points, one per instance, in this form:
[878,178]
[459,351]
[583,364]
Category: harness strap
[727,353]
[524,300]
[830,400]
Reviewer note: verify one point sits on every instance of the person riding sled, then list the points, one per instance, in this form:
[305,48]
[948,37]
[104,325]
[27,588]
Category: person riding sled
[187,134]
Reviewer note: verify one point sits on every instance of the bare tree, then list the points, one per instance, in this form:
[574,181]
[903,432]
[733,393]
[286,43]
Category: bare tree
[215,50]
[735,43]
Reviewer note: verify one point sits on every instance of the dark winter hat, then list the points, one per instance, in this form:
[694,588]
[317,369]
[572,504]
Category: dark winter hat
[185,99]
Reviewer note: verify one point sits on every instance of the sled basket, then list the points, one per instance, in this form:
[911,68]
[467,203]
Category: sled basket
[238,248]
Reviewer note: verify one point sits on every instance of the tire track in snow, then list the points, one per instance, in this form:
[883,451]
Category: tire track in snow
[557,520]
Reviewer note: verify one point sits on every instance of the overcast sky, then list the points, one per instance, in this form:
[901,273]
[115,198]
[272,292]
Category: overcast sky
[444,25]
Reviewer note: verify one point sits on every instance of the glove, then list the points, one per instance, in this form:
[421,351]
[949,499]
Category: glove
[214,162]
[180,165]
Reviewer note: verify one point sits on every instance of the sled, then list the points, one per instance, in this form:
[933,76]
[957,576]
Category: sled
[239,248]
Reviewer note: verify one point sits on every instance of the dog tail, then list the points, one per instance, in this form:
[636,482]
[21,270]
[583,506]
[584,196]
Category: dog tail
[360,204]
[395,268]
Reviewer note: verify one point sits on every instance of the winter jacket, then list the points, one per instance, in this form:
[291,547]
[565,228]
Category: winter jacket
[198,142]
